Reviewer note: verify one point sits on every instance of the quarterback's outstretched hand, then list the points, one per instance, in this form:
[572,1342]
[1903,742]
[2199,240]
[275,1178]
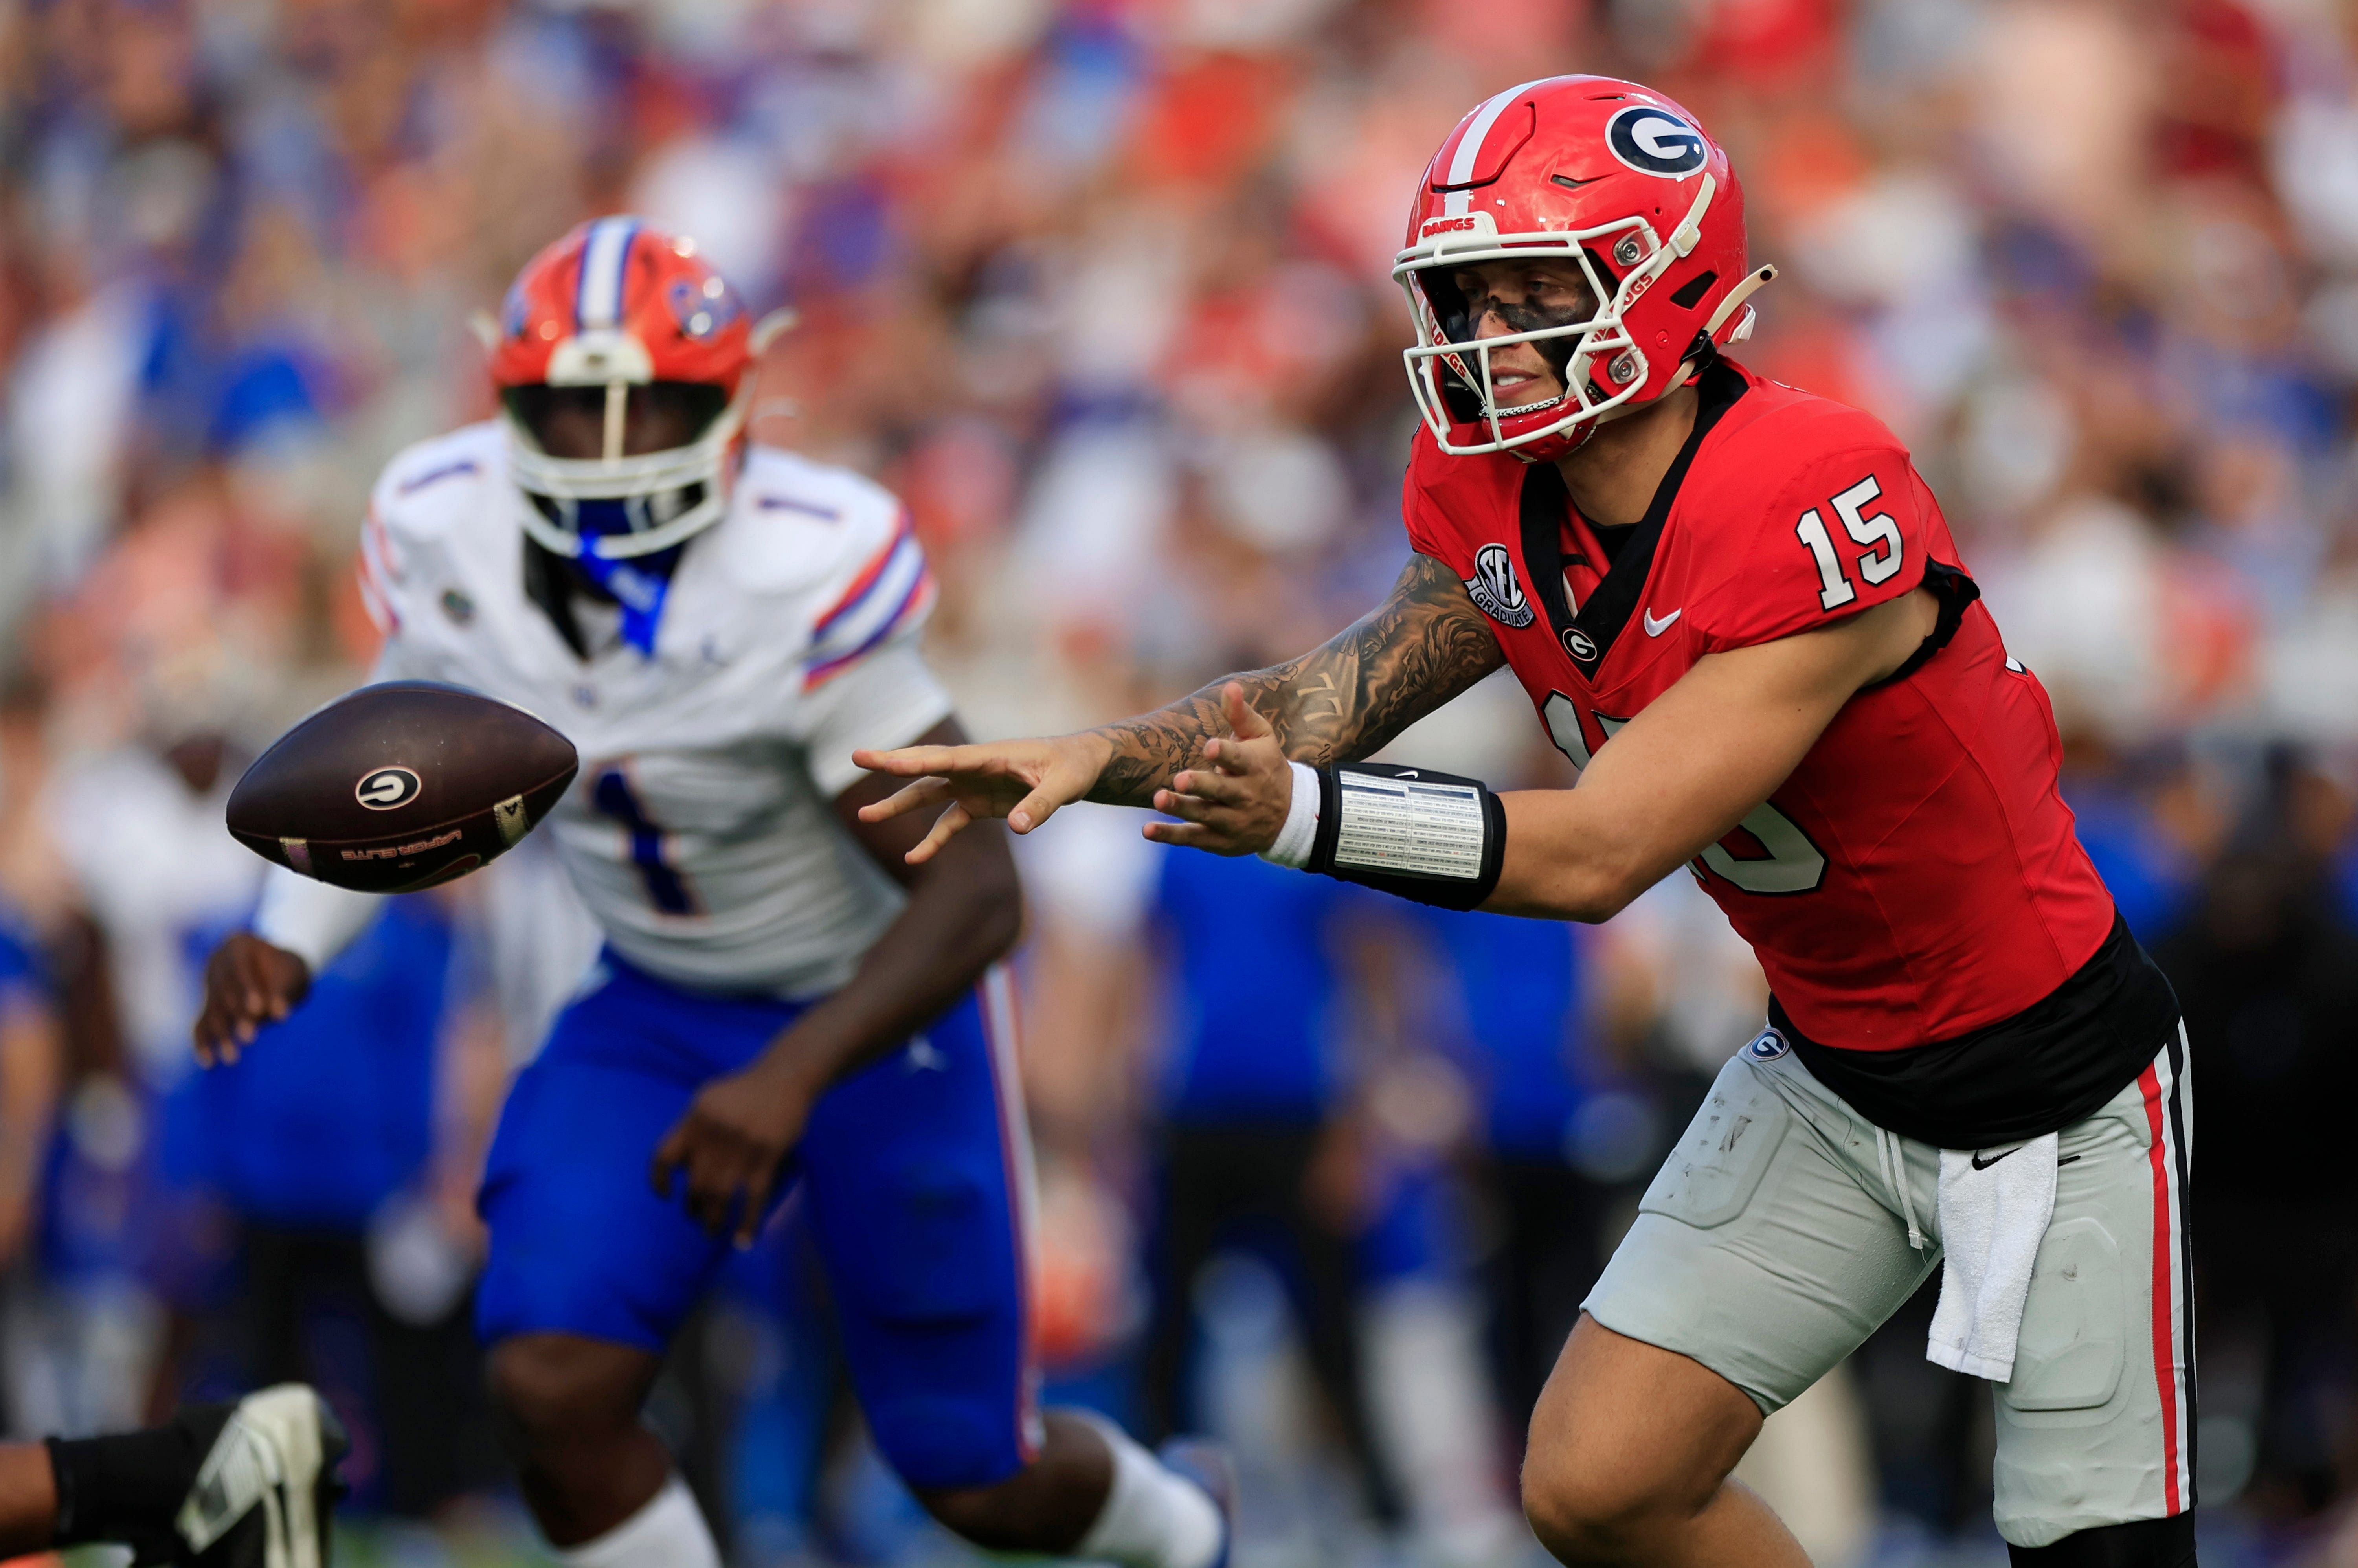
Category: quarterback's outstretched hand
[1237,806]
[1022,780]
[248,983]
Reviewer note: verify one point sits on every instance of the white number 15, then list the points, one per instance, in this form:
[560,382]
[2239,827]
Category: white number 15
[1870,529]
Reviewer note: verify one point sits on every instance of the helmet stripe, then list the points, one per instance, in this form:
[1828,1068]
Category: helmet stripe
[1469,145]
[597,295]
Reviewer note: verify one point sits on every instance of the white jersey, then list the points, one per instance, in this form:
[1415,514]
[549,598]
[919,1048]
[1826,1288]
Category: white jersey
[163,882]
[700,831]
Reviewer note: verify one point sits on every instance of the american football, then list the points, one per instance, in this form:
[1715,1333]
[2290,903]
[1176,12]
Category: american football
[401,785]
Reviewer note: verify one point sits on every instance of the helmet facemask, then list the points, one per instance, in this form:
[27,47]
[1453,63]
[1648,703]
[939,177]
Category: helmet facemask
[1468,374]
[662,452]
[1601,368]
[661,448]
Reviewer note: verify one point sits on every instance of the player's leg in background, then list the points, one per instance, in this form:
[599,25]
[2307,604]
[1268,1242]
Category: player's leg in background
[598,1481]
[918,1176]
[28,1499]
[1433,1401]
[1197,1191]
[1545,1258]
[267,1463]
[1330,1310]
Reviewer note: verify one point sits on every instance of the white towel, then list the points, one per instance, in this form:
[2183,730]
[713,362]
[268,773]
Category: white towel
[1995,1206]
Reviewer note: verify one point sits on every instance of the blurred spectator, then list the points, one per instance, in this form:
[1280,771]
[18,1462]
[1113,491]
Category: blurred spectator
[2266,972]
[1562,1138]
[343,1146]
[1252,1152]
[32,1066]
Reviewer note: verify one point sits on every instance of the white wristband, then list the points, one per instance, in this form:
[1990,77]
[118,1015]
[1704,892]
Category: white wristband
[1300,831]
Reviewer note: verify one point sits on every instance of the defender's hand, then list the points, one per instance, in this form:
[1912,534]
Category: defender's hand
[731,1144]
[248,983]
[1022,780]
[1238,806]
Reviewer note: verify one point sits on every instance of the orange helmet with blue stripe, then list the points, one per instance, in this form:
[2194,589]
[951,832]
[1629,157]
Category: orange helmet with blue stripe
[625,367]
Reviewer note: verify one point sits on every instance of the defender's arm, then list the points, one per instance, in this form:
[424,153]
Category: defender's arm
[965,906]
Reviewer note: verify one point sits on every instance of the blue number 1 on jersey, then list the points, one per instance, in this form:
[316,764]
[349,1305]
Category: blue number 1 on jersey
[667,889]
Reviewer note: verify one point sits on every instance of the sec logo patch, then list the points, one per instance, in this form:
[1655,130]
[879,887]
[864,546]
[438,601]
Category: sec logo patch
[385,788]
[1495,591]
[1767,1045]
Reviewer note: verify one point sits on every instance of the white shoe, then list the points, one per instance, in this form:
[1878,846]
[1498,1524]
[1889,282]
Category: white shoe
[264,1494]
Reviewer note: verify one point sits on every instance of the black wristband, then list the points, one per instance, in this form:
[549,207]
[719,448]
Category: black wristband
[1434,837]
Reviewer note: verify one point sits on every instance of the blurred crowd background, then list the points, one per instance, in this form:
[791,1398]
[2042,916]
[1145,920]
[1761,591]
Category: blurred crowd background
[1101,288]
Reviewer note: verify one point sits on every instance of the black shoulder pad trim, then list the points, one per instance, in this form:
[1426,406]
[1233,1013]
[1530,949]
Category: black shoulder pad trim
[1956,591]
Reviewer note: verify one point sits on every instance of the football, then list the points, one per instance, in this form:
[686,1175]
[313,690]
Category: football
[399,786]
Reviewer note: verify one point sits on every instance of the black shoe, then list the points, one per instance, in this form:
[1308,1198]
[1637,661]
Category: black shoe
[266,1489]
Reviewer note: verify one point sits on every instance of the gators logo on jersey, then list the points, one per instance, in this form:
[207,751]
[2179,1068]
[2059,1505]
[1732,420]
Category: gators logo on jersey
[1495,591]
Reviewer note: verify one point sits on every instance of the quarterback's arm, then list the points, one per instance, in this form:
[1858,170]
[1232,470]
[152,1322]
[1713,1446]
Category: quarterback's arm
[1344,699]
[1692,763]
[1689,767]
[964,905]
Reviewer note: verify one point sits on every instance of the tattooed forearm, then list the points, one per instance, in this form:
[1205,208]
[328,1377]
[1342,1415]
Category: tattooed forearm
[1344,699]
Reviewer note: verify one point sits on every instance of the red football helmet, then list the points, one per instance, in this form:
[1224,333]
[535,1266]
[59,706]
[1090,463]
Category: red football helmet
[621,334]
[1623,183]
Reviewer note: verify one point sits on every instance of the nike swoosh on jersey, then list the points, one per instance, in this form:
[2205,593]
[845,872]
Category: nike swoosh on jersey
[1982,1165]
[1656,628]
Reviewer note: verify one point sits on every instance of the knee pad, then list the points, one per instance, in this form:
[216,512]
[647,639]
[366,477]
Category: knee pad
[2140,1543]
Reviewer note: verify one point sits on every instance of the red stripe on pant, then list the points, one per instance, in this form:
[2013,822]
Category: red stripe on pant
[1000,1030]
[2165,1251]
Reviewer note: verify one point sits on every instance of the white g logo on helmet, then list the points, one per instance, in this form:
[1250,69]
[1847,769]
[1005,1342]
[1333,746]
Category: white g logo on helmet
[1652,140]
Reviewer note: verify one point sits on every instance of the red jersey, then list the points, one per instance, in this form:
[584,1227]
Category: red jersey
[1917,877]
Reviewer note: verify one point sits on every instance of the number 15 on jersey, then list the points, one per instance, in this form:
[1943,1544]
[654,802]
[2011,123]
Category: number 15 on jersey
[1787,862]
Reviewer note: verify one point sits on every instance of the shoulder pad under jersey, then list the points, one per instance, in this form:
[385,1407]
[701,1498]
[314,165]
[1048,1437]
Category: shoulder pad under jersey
[836,544]
[428,491]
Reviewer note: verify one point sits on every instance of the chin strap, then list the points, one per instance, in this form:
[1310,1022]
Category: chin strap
[1734,302]
[638,585]
[1707,344]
